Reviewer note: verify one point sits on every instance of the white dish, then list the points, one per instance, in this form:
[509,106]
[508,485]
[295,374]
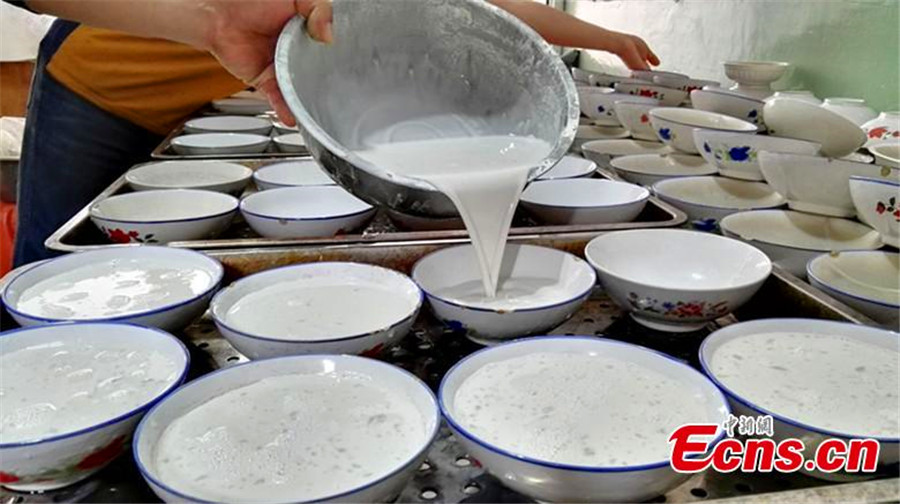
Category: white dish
[661,77]
[817,184]
[737,154]
[605,79]
[694,84]
[164,216]
[648,169]
[877,203]
[675,126]
[305,172]
[570,167]
[854,109]
[584,201]
[538,289]
[818,379]
[886,154]
[885,127]
[867,280]
[61,427]
[302,309]
[597,104]
[676,280]
[242,106]
[707,200]
[802,95]
[572,419]
[604,151]
[635,116]
[305,212]
[730,103]
[668,97]
[754,77]
[229,124]
[327,413]
[838,136]
[791,239]
[588,133]
[151,286]
[290,142]
[220,143]
[218,176]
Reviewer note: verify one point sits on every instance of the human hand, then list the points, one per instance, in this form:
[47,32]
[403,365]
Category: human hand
[631,49]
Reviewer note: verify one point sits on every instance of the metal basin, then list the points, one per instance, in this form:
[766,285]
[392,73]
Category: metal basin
[462,58]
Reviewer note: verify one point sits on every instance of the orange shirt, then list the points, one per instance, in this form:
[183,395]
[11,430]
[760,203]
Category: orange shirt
[151,82]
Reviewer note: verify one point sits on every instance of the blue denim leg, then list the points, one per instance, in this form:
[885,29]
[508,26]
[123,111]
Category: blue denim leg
[71,151]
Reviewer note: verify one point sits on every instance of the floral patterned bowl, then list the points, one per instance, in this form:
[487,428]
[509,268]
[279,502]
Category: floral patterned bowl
[736,154]
[635,116]
[730,103]
[90,440]
[675,280]
[707,200]
[877,203]
[597,104]
[675,126]
[668,97]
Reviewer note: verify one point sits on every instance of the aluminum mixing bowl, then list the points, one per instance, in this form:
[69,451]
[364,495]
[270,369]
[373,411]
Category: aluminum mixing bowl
[463,57]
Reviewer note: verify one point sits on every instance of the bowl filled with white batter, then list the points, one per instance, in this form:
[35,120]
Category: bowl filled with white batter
[322,308]
[577,419]
[73,394]
[151,286]
[291,429]
[818,379]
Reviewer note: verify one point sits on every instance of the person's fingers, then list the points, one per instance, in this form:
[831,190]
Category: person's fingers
[267,85]
[318,16]
[646,53]
[629,54]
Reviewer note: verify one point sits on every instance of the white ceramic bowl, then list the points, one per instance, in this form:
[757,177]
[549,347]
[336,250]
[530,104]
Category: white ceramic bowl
[384,486]
[570,167]
[605,79]
[886,154]
[584,201]
[525,470]
[676,280]
[668,97]
[603,152]
[817,184]
[661,77]
[694,84]
[807,372]
[730,103]
[868,280]
[290,142]
[242,106]
[61,458]
[586,133]
[854,109]
[164,216]
[451,280]
[838,136]
[206,144]
[151,286]
[883,128]
[755,72]
[229,124]
[877,203]
[218,176]
[737,154]
[635,116]
[302,309]
[675,126]
[791,239]
[707,200]
[802,95]
[597,104]
[305,172]
[305,212]
[648,169]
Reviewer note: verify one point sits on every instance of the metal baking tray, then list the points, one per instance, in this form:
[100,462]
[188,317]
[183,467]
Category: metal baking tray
[164,150]
[431,349]
[79,233]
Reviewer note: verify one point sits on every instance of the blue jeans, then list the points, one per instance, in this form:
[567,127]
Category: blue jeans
[71,151]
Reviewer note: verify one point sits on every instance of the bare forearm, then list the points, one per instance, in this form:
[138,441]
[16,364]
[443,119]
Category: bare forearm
[554,25]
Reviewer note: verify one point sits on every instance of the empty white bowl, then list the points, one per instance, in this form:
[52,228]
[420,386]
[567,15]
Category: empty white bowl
[207,144]
[668,97]
[648,169]
[818,379]
[886,154]
[584,201]
[635,116]
[838,136]
[791,238]
[854,109]
[605,80]
[737,154]
[305,172]
[290,142]
[694,84]
[242,106]
[80,420]
[597,104]
[676,280]
[570,167]
[868,280]
[229,124]
[151,286]
[164,216]
[730,103]
[218,176]
[538,289]
[877,203]
[661,77]
[303,309]
[883,128]
[707,200]
[342,410]
[675,126]
[604,151]
[754,77]
[590,398]
[305,212]
[817,184]
[586,133]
